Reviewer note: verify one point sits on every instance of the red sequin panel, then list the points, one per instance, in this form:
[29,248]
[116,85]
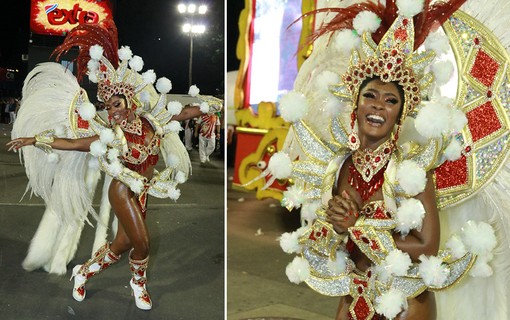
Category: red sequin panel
[401,34]
[362,309]
[485,68]
[82,124]
[452,173]
[483,121]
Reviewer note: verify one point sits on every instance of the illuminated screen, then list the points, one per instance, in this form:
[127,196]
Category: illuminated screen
[274,49]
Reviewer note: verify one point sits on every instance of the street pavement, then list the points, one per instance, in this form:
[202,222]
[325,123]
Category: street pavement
[186,272]
[257,287]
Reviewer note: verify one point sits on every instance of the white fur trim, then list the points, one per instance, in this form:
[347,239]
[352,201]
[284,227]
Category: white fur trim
[478,237]
[481,269]
[280,165]
[398,262]
[366,21]
[93,163]
[409,8]
[332,106]
[293,197]
[437,43]
[113,154]
[149,76]
[431,121]
[164,85]
[339,265]
[136,63]
[173,161]
[298,270]
[453,151]
[293,106]
[324,80]
[96,52]
[204,107]
[390,303]
[115,167]
[107,136]
[174,193]
[136,186]
[456,247]
[180,177]
[289,242]
[174,107]
[346,40]
[97,148]
[458,120]
[443,71]
[193,91]
[87,111]
[308,210]
[125,53]
[93,78]
[411,177]
[174,126]
[145,96]
[93,65]
[432,270]
[409,216]
[53,157]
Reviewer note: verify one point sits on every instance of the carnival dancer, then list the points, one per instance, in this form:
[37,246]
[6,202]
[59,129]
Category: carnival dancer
[207,129]
[378,187]
[140,127]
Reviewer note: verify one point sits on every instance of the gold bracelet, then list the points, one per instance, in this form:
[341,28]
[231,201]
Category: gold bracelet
[43,140]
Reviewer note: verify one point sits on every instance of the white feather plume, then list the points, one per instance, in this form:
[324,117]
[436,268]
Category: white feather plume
[97,148]
[298,270]
[366,21]
[107,136]
[346,40]
[437,43]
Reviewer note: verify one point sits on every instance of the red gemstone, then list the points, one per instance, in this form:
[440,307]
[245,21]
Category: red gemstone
[363,67]
[135,153]
[399,60]
[393,52]
[355,73]
[361,75]
[405,22]
[368,71]
[353,139]
[412,80]
[367,157]
[385,76]
[385,55]
[489,94]
[367,173]
[360,289]
[387,150]
[380,63]
[369,273]
[476,41]
[365,240]
[399,74]
[468,149]
[377,159]
[389,65]
[348,78]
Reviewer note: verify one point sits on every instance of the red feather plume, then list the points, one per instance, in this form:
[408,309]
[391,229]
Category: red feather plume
[86,35]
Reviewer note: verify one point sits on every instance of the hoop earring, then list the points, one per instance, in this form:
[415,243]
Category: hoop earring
[353,138]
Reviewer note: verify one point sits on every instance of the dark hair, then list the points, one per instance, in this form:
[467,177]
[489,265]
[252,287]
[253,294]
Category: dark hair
[400,93]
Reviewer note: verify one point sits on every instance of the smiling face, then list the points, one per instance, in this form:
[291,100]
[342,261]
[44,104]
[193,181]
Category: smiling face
[379,106]
[117,108]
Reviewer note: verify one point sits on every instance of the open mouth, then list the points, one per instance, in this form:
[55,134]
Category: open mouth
[375,120]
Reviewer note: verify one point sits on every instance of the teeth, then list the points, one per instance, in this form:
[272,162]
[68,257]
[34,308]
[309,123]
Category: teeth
[375,118]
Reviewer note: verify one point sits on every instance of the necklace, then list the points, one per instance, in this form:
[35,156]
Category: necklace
[366,173]
[134,126]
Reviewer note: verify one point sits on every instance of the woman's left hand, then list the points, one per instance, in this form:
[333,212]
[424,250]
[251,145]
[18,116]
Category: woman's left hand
[16,144]
[342,212]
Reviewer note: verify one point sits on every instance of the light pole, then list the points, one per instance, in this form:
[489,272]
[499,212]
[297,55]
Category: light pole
[191,28]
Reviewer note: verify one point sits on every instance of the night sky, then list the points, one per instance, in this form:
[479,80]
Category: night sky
[152,31]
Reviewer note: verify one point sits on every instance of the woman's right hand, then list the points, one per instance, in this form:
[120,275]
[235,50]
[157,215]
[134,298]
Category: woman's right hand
[17,143]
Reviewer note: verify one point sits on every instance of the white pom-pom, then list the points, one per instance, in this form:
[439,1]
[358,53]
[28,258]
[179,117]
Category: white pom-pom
[107,136]
[60,131]
[174,107]
[478,237]
[409,216]
[136,63]
[173,161]
[193,91]
[390,303]
[113,154]
[53,157]
[280,165]
[456,247]
[93,77]
[293,197]
[93,163]
[174,193]
[437,43]
[204,107]
[308,210]
[289,242]
[458,120]
[432,120]
[164,85]
[298,270]
[93,65]
[96,52]
[397,262]
[97,148]
[87,111]
[115,168]
[149,76]
[411,177]
[180,177]
[324,80]
[366,21]
[432,270]
[346,40]
[145,97]
[453,151]
[332,106]
[481,268]
[409,8]
[443,71]
[173,126]
[136,186]
[293,106]
[125,53]
[339,265]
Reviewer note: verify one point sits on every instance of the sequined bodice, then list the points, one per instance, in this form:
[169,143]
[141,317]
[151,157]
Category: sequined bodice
[140,156]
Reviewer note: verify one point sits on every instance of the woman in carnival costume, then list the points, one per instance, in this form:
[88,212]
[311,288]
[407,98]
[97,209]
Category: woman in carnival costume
[388,170]
[56,115]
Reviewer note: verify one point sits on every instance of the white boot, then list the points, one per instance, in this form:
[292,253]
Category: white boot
[102,259]
[138,281]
